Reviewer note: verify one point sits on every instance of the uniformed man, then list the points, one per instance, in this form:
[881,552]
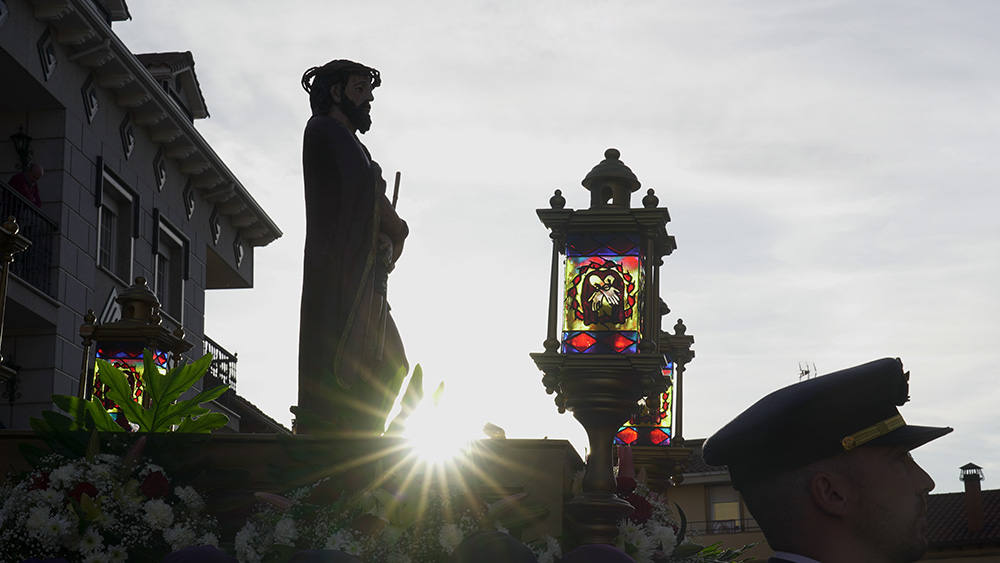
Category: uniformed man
[825,468]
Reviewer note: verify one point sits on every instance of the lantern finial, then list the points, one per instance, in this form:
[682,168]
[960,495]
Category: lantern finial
[611,180]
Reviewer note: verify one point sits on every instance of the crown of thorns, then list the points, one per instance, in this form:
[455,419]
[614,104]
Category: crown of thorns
[339,66]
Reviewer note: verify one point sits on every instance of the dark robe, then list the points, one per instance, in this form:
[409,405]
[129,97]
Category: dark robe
[351,360]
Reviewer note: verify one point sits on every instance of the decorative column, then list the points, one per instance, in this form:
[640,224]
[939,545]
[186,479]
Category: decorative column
[677,346]
[606,358]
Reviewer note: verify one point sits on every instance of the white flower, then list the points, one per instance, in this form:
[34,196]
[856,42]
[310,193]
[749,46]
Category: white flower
[633,540]
[209,539]
[665,537]
[190,497]
[449,537]
[57,526]
[396,557]
[91,541]
[244,543]
[551,550]
[100,472]
[37,518]
[158,515]
[179,537]
[49,497]
[285,532]
[117,554]
[63,476]
[343,540]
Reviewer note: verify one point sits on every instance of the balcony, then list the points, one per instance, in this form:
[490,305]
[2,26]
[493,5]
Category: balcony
[223,368]
[35,265]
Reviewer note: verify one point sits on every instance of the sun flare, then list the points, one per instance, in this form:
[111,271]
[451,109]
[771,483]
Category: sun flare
[436,436]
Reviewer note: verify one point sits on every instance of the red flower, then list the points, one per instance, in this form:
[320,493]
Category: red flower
[40,481]
[643,510]
[81,488]
[155,485]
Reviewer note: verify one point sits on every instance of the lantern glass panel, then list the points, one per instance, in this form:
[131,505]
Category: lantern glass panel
[603,284]
[127,357]
[652,425]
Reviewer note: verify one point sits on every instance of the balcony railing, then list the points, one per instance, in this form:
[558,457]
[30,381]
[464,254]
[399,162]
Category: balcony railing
[708,527]
[223,368]
[34,265]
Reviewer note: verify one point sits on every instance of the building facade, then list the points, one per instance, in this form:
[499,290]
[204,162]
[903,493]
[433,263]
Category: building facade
[130,189]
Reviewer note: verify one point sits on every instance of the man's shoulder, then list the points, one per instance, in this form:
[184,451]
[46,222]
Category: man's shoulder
[326,128]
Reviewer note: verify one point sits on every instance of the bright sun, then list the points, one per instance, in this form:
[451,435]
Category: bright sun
[435,435]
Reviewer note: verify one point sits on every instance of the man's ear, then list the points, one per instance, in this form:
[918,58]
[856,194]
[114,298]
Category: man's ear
[337,93]
[830,493]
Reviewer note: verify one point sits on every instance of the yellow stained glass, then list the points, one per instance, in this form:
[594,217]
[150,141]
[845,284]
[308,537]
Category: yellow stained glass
[602,293]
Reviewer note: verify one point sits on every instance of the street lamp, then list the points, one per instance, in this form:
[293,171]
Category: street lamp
[606,356]
[123,344]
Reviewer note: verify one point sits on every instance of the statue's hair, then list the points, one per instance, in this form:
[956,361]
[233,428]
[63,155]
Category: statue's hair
[318,80]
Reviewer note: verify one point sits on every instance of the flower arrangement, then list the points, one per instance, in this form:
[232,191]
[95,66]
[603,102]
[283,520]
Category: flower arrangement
[374,525]
[102,507]
[650,534]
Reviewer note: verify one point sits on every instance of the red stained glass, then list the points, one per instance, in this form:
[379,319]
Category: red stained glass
[627,435]
[658,437]
[582,341]
[621,342]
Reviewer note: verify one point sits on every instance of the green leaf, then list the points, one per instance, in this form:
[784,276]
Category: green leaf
[438,393]
[682,531]
[89,508]
[182,378]
[411,398]
[152,378]
[204,423]
[75,407]
[58,422]
[686,550]
[191,407]
[100,418]
[120,392]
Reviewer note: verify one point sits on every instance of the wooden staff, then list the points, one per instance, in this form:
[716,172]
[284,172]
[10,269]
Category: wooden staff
[395,190]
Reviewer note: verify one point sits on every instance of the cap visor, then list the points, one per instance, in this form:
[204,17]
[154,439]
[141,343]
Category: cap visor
[911,436]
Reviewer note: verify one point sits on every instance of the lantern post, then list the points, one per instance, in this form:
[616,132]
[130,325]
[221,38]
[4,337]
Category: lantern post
[606,357]
[123,343]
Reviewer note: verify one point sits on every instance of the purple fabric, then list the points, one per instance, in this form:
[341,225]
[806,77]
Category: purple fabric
[199,554]
[596,553]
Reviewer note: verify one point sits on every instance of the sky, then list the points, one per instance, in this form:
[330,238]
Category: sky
[830,170]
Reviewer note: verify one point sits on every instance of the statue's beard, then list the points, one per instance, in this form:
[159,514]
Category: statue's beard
[360,116]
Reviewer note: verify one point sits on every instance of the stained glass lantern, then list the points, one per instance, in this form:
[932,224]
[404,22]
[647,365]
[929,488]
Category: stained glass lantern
[602,353]
[651,425]
[123,343]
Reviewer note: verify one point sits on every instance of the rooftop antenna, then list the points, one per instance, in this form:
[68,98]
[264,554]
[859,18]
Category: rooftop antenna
[806,371]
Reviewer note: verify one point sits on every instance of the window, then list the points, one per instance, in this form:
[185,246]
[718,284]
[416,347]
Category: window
[723,508]
[117,228]
[170,264]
